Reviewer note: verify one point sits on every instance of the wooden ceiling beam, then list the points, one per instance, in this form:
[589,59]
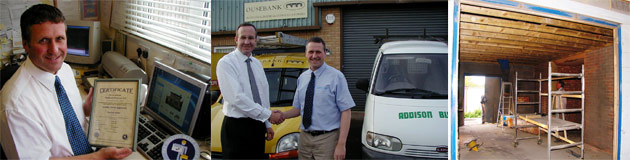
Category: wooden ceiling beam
[507,53]
[533,27]
[479,57]
[504,55]
[536,19]
[477,60]
[534,49]
[523,39]
[509,50]
[520,32]
[579,57]
[511,42]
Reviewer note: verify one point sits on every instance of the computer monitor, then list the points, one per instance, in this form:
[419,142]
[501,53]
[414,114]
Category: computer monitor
[174,98]
[84,42]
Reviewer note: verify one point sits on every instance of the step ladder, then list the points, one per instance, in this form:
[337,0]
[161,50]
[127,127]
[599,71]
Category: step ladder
[505,102]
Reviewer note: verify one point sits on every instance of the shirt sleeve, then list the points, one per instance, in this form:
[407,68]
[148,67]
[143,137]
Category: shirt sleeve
[235,94]
[343,98]
[296,96]
[23,137]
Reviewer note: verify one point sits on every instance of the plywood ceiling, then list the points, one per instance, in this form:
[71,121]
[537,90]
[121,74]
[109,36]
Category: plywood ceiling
[488,34]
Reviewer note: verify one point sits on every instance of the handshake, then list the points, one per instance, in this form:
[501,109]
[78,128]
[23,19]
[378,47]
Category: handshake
[276,117]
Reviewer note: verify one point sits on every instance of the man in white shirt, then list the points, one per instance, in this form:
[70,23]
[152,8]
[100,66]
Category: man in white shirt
[41,112]
[246,105]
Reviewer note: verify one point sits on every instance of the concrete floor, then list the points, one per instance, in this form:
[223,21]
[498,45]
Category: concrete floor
[496,143]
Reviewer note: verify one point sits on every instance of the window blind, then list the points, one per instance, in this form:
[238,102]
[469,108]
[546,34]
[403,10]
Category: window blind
[181,25]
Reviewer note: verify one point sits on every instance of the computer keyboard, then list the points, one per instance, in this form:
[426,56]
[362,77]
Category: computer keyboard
[150,138]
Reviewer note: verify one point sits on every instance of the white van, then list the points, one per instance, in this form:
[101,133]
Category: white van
[406,113]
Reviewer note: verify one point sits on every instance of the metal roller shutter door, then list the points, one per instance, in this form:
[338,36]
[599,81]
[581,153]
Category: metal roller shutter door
[361,23]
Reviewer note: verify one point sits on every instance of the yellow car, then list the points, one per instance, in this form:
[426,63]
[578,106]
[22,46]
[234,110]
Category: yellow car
[282,71]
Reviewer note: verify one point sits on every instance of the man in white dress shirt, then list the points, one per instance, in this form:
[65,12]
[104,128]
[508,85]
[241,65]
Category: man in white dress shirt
[36,102]
[246,105]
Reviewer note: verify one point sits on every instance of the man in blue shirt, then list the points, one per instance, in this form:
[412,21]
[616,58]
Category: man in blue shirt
[323,100]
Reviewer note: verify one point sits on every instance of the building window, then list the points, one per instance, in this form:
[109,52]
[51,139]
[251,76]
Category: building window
[182,25]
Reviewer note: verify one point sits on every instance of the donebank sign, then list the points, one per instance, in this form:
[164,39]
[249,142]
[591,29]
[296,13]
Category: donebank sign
[280,9]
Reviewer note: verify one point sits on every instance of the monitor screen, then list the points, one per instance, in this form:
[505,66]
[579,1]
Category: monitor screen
[175,97]
[78,40]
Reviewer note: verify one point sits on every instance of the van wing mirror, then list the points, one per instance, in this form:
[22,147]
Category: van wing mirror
[363,84]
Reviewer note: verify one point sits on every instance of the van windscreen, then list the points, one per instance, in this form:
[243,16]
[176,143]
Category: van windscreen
[418,76]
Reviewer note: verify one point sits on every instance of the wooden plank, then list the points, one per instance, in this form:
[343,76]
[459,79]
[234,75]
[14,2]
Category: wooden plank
[510,42]
[490,56]
[564,95]
[520,32]
[571,58]
[514,48]
[534,49]
[523,39]
[481,56]
[533,27]
[497,53]
[544,128]
[535,19]
[511,50]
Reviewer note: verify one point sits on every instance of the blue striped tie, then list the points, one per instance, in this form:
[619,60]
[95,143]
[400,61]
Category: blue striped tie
[76,136]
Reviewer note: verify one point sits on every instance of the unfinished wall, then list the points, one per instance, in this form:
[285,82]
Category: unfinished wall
[599,96]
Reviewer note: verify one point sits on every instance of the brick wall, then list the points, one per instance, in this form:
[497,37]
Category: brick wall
[331,33]
[599,96]
[599,92]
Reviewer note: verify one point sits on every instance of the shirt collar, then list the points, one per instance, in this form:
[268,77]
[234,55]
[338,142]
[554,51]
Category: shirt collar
[47,79]
[241,56]
[320,70]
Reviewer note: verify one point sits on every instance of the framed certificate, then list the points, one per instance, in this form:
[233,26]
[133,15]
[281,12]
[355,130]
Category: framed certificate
[115,110]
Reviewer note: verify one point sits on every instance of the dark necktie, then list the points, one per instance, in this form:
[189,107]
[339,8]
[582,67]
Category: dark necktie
[252,81]
[308,103]
[76,136]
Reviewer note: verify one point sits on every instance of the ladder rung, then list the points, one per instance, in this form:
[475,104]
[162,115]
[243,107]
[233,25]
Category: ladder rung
[528,91]
[577,75]
[565,110]
[527,103]
[565,146]
[526,79]
[566,92]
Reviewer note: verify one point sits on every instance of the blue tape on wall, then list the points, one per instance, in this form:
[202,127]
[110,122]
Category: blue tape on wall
[581,17]
[453,96]
[547,10]
[620,99]
[503,2]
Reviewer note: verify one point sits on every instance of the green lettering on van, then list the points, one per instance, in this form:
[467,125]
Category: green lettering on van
[417,114]
[443,114]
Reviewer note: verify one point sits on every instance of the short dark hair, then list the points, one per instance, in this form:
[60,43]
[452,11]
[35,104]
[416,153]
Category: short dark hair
[37,14]
[561,83]
[246,24]
[317,40]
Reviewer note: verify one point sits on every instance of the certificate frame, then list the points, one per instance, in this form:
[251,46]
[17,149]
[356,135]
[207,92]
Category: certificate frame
[115,112]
